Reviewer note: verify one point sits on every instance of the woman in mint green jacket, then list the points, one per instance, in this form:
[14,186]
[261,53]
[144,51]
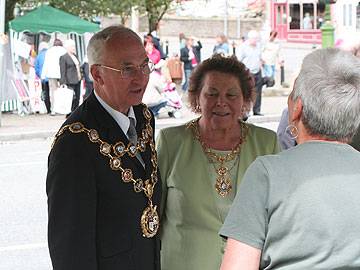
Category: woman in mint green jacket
[202,164]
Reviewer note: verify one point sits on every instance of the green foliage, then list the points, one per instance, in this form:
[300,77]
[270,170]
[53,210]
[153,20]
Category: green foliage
[9,10]
[154,9]
[90,8]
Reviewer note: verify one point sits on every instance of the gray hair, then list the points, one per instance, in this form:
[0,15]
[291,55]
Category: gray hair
[98,41]
[69,43]
[329,87]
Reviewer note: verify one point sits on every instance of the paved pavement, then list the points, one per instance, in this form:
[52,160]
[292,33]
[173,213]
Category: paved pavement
[40,126]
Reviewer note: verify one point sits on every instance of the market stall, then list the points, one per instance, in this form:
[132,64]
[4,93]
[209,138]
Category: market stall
[42,21]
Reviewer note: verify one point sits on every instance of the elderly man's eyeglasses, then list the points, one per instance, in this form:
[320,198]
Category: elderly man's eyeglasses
[129,71]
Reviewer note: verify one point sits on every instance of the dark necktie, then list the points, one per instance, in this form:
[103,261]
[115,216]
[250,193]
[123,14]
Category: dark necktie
[132,135]
[132,131]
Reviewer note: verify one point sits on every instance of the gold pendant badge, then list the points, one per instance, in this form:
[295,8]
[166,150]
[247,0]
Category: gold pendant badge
[223,179]
[150,221]
[223,185]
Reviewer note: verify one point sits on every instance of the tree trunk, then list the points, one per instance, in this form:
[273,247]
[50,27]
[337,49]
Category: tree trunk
[9,12]
[153,23]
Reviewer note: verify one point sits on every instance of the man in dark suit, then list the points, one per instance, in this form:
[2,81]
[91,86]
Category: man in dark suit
[102,184]
[70,72]
[85,72]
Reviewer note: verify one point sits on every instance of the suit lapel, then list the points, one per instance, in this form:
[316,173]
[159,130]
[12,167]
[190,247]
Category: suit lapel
[113,133]
[110,129]
[140,125]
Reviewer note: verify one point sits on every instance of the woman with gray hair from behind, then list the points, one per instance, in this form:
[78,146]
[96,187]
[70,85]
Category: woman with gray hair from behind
[299,209]
[356,139]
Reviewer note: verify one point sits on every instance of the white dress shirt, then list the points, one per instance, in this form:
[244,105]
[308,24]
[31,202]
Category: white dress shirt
[121,119]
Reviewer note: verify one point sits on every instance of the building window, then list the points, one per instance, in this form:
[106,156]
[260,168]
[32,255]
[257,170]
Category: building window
[350,14]
[294,10]
[308,20]
[278,15]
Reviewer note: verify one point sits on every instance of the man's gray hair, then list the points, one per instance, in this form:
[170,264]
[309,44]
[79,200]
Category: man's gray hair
[95,49]
[329,87]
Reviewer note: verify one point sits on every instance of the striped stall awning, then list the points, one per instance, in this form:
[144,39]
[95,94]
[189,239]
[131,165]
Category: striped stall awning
[9,105]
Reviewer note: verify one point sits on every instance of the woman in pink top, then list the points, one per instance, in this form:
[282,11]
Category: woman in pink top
[152,52]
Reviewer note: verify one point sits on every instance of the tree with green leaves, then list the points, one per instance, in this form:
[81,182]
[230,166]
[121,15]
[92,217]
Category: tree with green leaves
[155,10]
[9,10]
[91,8]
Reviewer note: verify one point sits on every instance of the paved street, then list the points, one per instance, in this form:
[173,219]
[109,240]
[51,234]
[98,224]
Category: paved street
[23,210]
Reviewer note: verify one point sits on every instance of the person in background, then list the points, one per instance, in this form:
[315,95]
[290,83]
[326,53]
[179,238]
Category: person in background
[85,72]
[203,161]
[299,209]
[284,136]
[307,21]
[271,55]
[102,183]
[182,40]
[191,57]
[70,73]
[222,45]
[28,63]
[152,52]
[153,96]
[39,63]
[51,69]
[250,54]
[156,41]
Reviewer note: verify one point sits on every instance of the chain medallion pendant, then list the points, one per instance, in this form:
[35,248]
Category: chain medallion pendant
[150,221]
[223,180]
[223,185]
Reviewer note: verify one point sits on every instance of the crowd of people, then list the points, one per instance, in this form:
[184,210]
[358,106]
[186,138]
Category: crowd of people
[261,59]
[216,192]
[59,66]
[161,94]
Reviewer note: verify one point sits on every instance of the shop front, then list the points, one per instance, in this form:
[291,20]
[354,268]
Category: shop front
[298,20]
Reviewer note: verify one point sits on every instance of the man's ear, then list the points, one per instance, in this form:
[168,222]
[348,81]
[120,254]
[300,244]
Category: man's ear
[297,110]
[95,73]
